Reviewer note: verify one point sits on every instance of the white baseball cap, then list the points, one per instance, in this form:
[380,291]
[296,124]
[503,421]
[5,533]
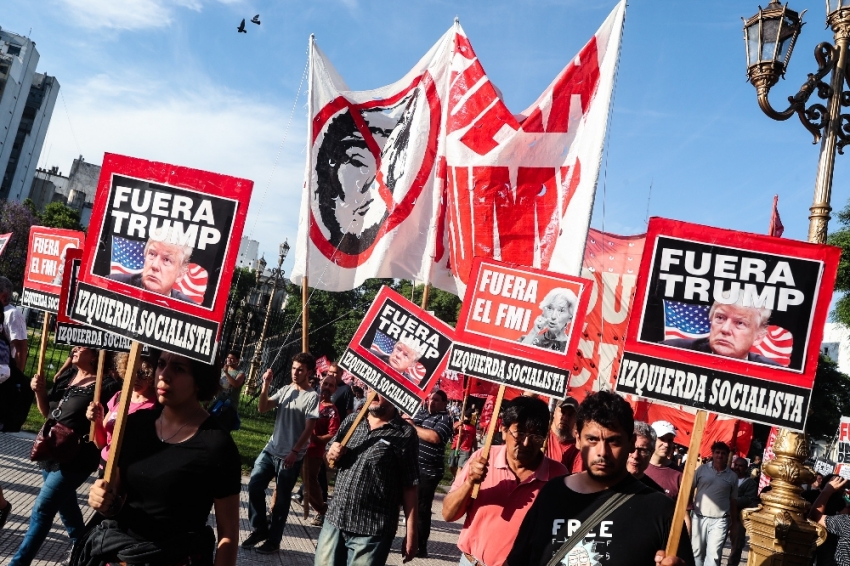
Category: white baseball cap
[663,428]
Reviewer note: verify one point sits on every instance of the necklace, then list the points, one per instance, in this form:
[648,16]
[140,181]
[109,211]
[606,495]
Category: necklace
[163,440]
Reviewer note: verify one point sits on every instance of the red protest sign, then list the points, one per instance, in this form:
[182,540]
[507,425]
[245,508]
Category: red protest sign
[518,326]
[164,241]
[45,263]
[728,322]
[4,240]
[322,365]
[399,350]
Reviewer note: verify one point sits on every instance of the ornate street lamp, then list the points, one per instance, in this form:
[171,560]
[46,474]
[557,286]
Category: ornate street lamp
[779,530]
[276,273]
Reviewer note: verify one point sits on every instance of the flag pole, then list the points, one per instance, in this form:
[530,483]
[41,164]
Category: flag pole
[98,385]
[491,430]
[123,411]
[305,311]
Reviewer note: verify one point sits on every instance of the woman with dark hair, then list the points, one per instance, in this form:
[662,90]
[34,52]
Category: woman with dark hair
[830,510]
[66,402]
[176,463]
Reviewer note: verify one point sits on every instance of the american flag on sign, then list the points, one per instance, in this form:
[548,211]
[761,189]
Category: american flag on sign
[777,345]
[684,320]
[128,256]
[383,345]
[194,283]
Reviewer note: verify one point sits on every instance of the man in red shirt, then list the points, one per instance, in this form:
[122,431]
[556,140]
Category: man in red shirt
[561,445]
[510,480]
[661,464]
[465,432]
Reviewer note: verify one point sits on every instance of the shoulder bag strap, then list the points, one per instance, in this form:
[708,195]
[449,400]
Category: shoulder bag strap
[608,506]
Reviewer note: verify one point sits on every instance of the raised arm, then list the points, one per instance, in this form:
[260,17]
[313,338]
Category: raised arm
[264,404]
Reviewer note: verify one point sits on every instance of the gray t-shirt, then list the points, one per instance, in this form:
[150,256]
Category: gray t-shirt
[715,490]
[294,407]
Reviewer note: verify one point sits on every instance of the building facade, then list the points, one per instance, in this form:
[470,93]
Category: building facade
[27,100]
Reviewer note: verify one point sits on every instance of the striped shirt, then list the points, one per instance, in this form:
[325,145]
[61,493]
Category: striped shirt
[378,465]
[432,456]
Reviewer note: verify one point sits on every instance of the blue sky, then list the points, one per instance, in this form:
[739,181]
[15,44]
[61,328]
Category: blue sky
[173,81]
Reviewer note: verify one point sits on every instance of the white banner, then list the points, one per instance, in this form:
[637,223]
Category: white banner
[414,179]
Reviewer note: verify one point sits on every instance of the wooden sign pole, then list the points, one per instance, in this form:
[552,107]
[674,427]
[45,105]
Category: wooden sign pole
[123,409]
[363,410]
[491,429]
[305,317]
[463,411]
[687,483]
[98,384]
[42,347]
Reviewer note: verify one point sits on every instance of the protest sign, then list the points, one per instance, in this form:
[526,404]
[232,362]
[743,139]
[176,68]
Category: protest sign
[767,456]
[399,350]
[45,264]
[322,365]
[728,322]
[71,333]
[163,244]
[517,327]
[842,458]
[824,467]
[4,240]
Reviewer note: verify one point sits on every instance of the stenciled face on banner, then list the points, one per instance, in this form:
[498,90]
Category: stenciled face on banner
[161,256]
[518,326]
[399,350]
[368,172]
[45,265]
[723,308]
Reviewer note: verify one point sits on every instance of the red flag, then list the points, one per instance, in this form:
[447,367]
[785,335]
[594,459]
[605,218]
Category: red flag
[777,345]
[776,227]
[194,283]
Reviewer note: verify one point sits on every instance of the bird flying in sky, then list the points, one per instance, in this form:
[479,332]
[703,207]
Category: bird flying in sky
[241,28]
[256,19]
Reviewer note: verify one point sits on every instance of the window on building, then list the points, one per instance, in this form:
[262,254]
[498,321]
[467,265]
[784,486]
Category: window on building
[13,49]
[4,68]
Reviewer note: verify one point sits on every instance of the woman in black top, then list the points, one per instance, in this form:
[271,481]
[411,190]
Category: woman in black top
[73,389]
[176,463]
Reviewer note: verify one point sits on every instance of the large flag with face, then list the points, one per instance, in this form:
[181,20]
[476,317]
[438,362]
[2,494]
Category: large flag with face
[414,179]
[369,204]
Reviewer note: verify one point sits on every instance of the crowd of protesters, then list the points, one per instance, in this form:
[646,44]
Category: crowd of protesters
[538,490]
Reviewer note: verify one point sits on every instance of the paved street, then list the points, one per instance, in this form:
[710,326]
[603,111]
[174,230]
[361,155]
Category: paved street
[21,479]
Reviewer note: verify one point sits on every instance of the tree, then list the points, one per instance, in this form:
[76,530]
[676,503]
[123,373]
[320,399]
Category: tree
[58,215]
[830,400]
[17,219]
[841,238]
[445,305]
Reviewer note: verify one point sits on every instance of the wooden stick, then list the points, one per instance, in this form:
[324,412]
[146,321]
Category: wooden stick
[363,410]
[425,293]
[98,383]
[463,412]
[305,317]
[491,429]
[123,409]
[42,347]
[687,484]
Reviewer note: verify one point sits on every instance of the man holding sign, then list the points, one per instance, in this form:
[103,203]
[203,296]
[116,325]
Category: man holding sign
[631,533]
[378,472]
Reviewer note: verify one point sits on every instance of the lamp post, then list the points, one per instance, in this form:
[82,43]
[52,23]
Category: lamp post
[275,274]
[780,532]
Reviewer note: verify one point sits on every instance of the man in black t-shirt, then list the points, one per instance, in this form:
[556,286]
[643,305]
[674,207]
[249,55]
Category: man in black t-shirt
[344,397]
[634,533]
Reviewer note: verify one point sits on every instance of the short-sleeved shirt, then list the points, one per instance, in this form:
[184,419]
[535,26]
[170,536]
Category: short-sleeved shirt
[620,539]
[715,490]
[467,440]
[14,325]
[566,453]
[228,391]
[839,525]
[667,477]
[171,487]
[294,407]
[372,475]
[328,423]
[432,457]
[493,519]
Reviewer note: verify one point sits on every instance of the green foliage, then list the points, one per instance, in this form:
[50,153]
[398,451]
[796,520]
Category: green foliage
[32,208]
[243,281]
[445,306]
[58,215]
[17,219]
[841,238]
[830,400]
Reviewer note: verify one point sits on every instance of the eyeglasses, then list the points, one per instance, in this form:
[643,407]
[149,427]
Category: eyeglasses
[643,452]
[521,437]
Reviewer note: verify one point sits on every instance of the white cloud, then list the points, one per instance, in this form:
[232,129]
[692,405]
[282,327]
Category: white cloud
[209,128]
[128,14]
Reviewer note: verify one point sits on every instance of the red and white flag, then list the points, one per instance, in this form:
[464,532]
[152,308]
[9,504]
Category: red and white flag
[193,284]
[414,179]
[520,188]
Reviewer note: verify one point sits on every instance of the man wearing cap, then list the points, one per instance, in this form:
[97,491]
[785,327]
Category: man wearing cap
[561,445]
[660,467]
